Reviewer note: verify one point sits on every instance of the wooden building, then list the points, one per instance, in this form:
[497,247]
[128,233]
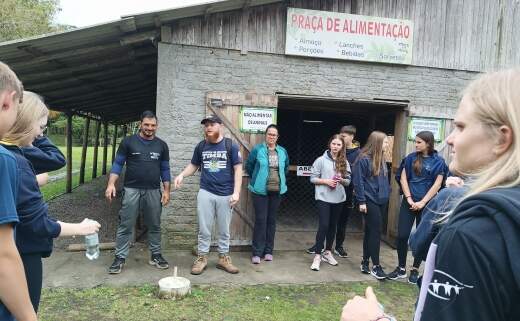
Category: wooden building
[225,57]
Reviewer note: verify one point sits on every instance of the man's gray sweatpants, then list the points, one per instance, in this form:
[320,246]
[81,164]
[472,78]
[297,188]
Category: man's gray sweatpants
[149,201]
[209,207]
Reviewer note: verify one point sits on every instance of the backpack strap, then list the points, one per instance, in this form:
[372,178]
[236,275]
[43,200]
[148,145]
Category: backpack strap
[200,148]
[229,144]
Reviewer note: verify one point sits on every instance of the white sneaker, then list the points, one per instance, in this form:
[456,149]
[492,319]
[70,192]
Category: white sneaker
[316,263]
[329,258]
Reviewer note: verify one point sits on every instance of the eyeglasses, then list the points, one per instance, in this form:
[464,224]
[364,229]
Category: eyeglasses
[272,135]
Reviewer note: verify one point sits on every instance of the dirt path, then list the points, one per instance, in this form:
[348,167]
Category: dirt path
[87,200]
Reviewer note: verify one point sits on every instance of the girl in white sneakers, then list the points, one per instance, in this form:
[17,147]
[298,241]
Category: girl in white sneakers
[330,175]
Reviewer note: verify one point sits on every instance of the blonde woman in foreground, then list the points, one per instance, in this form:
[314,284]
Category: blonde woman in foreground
[472,268]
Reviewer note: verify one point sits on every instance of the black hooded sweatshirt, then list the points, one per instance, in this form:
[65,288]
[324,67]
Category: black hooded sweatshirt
[473,267]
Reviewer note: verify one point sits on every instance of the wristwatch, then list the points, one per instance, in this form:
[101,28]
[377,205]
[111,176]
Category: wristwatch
[385,317]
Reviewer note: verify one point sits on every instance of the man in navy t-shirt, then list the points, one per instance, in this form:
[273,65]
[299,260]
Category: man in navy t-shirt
[220,164]
[147,164]
[14,296]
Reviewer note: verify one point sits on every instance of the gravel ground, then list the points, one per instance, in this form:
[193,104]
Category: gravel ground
[87,201]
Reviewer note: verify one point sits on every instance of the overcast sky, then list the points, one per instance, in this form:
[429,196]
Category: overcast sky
[91,12]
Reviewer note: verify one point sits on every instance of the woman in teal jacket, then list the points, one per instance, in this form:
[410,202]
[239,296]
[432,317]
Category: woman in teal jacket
[267,165]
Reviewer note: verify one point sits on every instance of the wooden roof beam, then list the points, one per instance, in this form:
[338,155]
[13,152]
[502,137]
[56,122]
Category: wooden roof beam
[65,74]
[148,100]
[121,77]
[70,100]
[65,54]
[122,99]
[96,95]
[127,25]
[139,37]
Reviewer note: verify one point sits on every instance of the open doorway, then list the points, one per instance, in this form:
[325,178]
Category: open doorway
[306,124]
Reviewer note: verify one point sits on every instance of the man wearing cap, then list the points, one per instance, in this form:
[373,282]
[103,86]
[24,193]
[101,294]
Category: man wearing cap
[220,164]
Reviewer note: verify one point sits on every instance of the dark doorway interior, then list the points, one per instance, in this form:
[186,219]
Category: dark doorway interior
[306,125]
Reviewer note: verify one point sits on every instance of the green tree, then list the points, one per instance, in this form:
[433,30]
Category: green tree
[27,18]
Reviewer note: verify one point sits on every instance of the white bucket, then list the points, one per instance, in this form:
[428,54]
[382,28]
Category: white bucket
[174,287]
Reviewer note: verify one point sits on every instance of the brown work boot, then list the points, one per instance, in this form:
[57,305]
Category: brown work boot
[224,263]
[199,265]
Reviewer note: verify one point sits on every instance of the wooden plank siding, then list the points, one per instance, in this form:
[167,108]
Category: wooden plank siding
[474,35]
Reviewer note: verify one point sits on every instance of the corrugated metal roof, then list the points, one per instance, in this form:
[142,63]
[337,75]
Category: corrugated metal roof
[107,71]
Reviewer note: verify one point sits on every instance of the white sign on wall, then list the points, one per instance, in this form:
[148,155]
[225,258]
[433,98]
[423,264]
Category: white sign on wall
[303,170]
[434,125]
[337,35]
[256,120]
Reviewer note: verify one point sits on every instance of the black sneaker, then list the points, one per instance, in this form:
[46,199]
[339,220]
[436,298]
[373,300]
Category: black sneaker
[364,267]
[398,273]
[311,250]
[158,261]
[378,273]
[340,251]
[414,276]
[116,266]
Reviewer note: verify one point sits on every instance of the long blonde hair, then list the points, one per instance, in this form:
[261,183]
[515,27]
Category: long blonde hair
[374,149]
[496,102]
[31,110]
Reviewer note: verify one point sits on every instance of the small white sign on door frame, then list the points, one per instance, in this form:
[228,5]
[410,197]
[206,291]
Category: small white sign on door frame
[303,170]
[256,120]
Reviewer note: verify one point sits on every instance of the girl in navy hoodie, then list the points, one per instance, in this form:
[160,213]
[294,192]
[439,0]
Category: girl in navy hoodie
[36,229]
[420,175]
[372,191]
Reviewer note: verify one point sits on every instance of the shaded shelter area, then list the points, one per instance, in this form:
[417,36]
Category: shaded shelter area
[106,73]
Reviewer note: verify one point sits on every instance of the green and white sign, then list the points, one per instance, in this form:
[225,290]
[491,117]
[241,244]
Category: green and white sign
[335,35]
[434,125]
[256,119]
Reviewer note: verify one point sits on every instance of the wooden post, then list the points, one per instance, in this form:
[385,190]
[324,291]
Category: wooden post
[125,130]
[96,145]
[398,153]
[84,152]
[105,148]
[114,142]
[69,153]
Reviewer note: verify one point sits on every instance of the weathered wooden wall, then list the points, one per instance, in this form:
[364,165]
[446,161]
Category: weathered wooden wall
[473,35]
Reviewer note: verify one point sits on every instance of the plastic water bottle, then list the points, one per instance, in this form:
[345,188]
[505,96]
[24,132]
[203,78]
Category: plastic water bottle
[92,246]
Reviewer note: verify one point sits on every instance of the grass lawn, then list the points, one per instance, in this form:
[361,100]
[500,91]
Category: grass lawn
[57,187]
[261,302]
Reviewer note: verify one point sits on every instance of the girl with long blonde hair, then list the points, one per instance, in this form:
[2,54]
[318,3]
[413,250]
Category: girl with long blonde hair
[372,191]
